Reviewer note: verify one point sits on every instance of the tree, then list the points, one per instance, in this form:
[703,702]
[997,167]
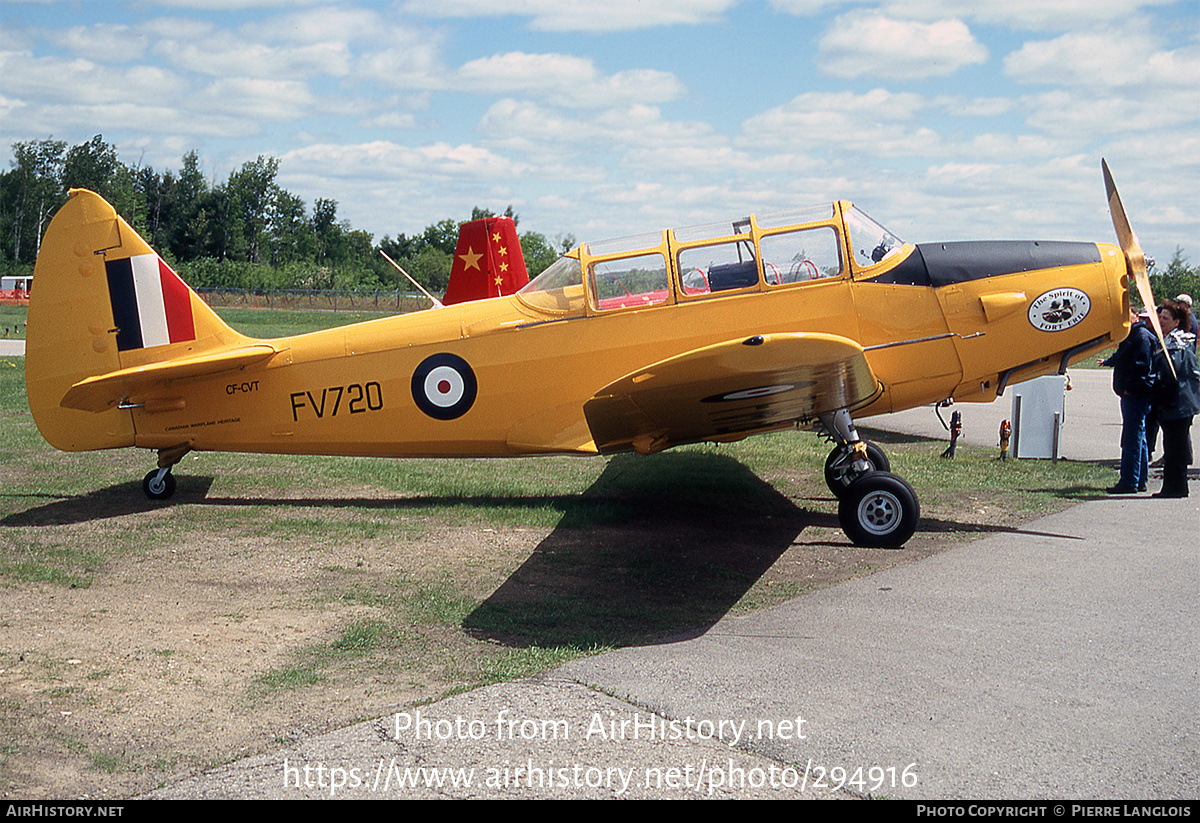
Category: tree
[94,165]
[248,232]
[1179,278]
[37,190]
[188,226]
[431,268]
[539,253]
[477,214]
[291,235]
[325,227]
[442,235]
[250,195]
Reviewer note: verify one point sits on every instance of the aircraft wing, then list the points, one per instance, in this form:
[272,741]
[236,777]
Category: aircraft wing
[722,391]
[104,391]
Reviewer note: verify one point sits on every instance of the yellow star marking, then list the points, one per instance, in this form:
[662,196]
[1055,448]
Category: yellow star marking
[470,259]
[503,267]
[499,280]
[502,250]
[496,237]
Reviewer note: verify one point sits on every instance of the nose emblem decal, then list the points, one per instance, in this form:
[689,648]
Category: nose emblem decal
[1059,309]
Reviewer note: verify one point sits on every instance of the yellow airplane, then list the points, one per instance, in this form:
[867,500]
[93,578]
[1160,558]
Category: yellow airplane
[809,318]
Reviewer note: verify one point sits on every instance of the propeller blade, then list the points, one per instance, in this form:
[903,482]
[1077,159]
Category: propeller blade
[1134,256]
[1125,236]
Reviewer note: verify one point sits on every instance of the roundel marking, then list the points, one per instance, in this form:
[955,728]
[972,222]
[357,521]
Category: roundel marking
[444,386]
[751,394]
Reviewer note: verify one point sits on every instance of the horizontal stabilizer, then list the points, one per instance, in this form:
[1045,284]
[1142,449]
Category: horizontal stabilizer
[104,391]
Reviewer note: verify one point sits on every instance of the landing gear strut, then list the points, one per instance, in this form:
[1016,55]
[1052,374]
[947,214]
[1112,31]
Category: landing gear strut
[875,507]
[840,471]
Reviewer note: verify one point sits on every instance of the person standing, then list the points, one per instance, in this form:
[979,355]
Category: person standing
[1131,364]
[1177,408]
[1186,299]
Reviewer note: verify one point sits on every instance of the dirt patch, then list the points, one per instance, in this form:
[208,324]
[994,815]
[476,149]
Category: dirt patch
[235,624]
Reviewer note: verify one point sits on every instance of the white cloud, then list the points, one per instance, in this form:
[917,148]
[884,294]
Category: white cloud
[1024,14]
[387,187]
[382,160]
[341,24]
[868,43]
[409,62]
[975,106]
[633,136]
[234,5]
[59,80]
[878,122]
[563,80]
[103,43]
[1100,59]
[255,98]
[805,8]
[584,15]
[226,54]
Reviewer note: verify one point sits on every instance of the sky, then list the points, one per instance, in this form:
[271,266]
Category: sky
[943,120]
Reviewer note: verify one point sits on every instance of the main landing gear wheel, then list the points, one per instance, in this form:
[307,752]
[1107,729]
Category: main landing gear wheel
[159,484]
[839,467]
[879,510]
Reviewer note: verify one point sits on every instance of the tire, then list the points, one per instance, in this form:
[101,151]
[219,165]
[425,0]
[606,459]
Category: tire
[879,510]
[161,489]
[839,469]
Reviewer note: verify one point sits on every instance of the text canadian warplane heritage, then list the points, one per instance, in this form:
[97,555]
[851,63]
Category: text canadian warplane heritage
[810,318]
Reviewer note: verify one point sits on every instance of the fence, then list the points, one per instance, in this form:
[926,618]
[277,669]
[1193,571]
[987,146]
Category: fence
[381,300]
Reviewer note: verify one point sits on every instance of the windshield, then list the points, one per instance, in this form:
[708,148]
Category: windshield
[558,289]
[561,273]
[869,242]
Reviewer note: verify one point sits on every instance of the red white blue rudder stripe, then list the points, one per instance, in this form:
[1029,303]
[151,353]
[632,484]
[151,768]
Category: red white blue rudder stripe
[151,306]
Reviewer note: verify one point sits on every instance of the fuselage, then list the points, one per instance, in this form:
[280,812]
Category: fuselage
[511,375]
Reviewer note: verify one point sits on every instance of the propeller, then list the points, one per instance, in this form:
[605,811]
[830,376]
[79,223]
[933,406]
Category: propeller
[1134,256]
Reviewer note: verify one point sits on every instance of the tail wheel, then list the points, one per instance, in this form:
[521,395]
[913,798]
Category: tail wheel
[879,510]
[159,484]
[839,467]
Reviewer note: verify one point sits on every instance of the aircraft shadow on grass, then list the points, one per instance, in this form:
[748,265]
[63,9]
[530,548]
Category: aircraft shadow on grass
[657,548]
[117,500]
[654,548]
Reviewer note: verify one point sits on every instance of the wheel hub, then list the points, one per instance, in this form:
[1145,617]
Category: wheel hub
[879,512]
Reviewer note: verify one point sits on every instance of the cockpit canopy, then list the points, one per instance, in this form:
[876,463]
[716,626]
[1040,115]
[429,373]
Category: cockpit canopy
[753,253]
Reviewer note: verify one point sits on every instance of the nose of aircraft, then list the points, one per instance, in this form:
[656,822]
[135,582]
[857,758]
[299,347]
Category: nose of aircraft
[1116,277]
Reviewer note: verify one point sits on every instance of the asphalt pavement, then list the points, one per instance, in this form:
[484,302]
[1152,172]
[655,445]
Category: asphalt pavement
[1058,659]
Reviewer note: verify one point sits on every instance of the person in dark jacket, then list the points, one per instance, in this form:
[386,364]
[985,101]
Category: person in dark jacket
[1132,363]
[1176,410]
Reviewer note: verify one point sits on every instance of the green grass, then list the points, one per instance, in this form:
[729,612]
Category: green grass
[267,323]
[431,577]
[108,762]
[12,318]
[637,547]
[360,639]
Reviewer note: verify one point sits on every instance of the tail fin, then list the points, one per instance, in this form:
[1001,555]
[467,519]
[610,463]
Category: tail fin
[104,304]
[487,261]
